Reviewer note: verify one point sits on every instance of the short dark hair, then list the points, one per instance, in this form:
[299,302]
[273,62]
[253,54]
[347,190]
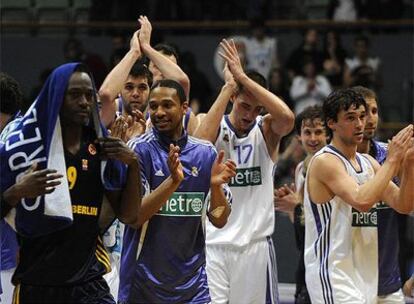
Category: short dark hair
[169,83]
[365,92]
[141,70]
[11,97]
[309,113]
[256,77]
[166,49]
[338,100]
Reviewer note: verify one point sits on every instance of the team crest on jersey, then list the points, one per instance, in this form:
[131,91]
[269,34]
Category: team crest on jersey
[246,177]
[194,171]
[92,149]
[226,138]
[183,204]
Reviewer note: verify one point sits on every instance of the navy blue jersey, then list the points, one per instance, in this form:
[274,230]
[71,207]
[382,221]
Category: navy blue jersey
[73,255]
[164,260]
[388,236]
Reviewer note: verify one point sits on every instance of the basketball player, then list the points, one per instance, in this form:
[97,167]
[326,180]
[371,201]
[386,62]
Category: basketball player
[163,255]
[241,265]
[341,187]
[389,277]
[125,89]
[66,266]
[310,129]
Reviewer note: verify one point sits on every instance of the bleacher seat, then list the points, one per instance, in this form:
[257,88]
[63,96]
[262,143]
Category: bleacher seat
[80,10]
[16,10]
[51,10]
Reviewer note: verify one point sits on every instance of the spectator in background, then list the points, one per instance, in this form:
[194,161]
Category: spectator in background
[73,51]
[261,50]
[362,57]
[200,93]
[309,89]
[343,10]
[119,49]
[334,59]
[278,85]
[308,50]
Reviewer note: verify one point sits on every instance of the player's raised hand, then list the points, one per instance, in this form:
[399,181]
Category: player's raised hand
[174,164]
[285,198]
[409,154]
[136,124]
[399,144]
[134,44]
[115,148]
[229,79]
[119,128]
[222,172]
[145,31]
[34,182]
[230,54]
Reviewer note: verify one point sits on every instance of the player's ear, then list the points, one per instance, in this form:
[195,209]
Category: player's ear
[184,106]
[331,124]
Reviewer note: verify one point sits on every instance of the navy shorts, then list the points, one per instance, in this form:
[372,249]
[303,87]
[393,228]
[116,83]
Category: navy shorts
[93,292]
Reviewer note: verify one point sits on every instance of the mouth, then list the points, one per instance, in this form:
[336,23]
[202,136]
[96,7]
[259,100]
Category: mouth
[161,123]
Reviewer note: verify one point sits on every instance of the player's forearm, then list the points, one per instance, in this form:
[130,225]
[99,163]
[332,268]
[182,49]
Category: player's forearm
[219,210]
[282,117]
[372,191]
[209,126]
[9,199]
[405,203]
[113,84]
[152,203]
[131,195]
[168,68]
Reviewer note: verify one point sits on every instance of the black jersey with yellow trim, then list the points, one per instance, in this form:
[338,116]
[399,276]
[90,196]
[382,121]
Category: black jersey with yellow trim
[75,254]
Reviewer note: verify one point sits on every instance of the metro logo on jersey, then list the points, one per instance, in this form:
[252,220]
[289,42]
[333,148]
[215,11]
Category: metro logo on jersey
[246,177]
[364,219]
[183,204]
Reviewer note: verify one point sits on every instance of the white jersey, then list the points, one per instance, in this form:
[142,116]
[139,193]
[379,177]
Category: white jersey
[341,247]
[252,213]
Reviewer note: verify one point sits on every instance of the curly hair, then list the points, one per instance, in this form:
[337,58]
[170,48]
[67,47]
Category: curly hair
[339,100]
[11,96]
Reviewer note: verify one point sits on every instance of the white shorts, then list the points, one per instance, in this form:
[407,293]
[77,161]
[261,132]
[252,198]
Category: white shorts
[392,298]
[243,275]
[7,286]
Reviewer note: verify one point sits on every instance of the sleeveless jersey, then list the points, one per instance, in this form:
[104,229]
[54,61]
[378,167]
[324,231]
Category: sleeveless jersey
[341,248]
[73,255]
[252,214]
[388,235]
[164,260]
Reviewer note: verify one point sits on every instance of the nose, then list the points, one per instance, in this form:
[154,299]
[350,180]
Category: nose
[135,92]
[313,137]
[83,101]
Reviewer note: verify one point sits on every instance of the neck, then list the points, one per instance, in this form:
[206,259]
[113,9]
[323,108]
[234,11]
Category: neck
[233,122]
[363,147]
[348,150]
[72,136]
[176,134]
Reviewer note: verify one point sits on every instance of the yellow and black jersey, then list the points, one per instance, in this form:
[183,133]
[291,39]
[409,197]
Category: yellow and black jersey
[75,254]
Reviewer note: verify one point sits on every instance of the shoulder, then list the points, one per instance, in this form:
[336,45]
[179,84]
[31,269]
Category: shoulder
[143,141]
[326,162]
[202,144]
